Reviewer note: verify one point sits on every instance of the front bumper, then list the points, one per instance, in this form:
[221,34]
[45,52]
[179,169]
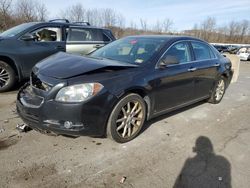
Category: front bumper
[47,115]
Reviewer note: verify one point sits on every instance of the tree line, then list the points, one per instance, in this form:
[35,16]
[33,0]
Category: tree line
[233,32]
[16,12]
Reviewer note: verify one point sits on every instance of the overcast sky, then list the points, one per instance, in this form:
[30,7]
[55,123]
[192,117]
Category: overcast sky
[184,13]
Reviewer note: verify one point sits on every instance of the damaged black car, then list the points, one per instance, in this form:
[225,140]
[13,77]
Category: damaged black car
[113,91]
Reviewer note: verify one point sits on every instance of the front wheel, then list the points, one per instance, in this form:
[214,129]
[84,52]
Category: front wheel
[127,118]
[219,91]
[7,77]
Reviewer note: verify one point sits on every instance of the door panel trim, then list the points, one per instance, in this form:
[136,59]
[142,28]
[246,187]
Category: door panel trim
[179,106]
[85,42]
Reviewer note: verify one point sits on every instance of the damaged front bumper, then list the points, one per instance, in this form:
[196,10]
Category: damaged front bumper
[41,112]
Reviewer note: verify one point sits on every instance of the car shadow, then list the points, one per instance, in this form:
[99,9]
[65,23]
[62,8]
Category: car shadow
[19,85]
[205,169]
[169,114]
[16,87]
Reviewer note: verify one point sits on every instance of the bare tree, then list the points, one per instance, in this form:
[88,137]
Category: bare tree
[41,12]
[163,26]
[158,28]
[196,31]
[109,17]
[221,35]
[167,25]
[244,27]
[144,25]
[93,16]
[13,12]
[25,11]
[133,25]
[233,31]
[5,13]
[75,13]
[207,27]
[120,20]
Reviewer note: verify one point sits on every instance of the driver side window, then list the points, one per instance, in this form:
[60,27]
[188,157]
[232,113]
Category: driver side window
[179,51]
[47,34]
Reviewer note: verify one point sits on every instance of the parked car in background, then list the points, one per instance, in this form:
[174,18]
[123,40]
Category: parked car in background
[233,49]
[221,49]
[244,53]
[120,86]
[21,47]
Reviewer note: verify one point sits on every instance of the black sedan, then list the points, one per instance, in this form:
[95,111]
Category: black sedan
[116,89]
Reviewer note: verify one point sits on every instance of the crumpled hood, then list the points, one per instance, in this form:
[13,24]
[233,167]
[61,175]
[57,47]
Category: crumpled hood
[63,65]
[2,38]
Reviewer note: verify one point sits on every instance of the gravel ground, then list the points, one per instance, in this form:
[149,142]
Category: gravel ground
[203,145]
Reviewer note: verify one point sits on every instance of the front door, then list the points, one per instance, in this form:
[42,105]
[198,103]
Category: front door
[174,84]
[48,41]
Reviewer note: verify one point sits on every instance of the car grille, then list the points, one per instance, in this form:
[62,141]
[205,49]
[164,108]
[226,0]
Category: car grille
[28,98]
[37,83]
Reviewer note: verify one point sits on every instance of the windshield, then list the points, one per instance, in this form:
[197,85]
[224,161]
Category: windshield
[131,50]
[16,30]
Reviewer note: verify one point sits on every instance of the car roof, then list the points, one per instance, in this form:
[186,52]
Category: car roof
[69,24]
[166,37]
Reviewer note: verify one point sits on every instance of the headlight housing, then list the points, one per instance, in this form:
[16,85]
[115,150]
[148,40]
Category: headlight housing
[79,92]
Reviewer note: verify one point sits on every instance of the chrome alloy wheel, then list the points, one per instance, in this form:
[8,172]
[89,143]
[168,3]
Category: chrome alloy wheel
[220,89]
[4,77]
[130,119]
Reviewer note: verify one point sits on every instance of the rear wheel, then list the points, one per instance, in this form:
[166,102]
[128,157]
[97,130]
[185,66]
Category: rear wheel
[7,77]
[219,91]
[127,118]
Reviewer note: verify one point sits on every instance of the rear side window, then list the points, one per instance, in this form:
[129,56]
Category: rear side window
[202,51]
[105,38]
[83,34]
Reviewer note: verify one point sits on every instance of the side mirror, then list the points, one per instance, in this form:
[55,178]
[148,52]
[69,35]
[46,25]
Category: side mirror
[168,60]
[28,37]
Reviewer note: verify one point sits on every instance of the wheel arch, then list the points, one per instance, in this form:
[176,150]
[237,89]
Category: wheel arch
[12,63]
[227,76]
[143,93]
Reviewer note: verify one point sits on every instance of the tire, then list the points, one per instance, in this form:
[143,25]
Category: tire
[127,118]
[218,91]
[7,77]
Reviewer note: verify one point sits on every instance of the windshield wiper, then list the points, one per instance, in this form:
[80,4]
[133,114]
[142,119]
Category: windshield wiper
[93,57]
[117,60]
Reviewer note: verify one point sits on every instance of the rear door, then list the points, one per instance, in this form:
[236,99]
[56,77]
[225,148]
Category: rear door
[48,41]
[207,65]
[83,41]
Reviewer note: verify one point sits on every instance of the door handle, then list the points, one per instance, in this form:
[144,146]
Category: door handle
[192,69]
[98,46]
[60,48]
[216,65]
